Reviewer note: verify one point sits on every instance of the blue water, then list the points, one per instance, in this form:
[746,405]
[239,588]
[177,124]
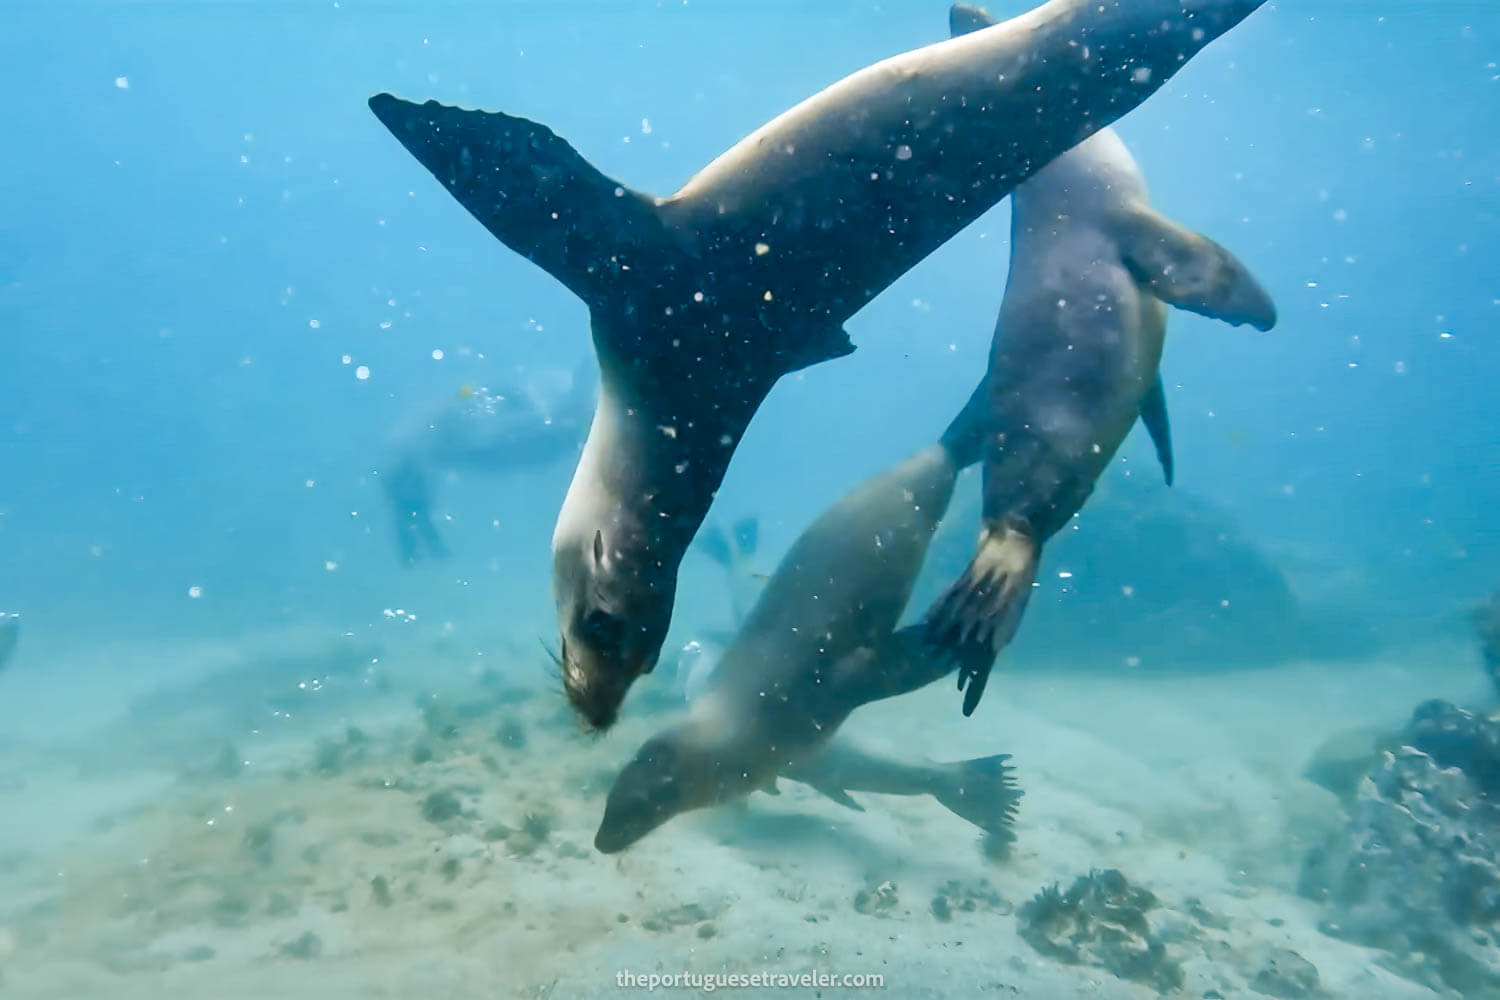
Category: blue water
[203,220]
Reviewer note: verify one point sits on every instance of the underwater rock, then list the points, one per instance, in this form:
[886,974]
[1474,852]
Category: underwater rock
[1155,577]
[308,945]
[441,806]
[511,733]
[680,916]
[1417,870]
[259,844]
[878,900]
[1487,619]
[1284,974]
[1100,921]
[955,897]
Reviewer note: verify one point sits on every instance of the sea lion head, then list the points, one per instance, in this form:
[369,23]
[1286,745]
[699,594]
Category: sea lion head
[672,773]
[612,619]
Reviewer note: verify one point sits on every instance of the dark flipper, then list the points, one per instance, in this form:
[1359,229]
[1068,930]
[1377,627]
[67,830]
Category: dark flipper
[535,194]
[1154,416]
[984,792]
[978,615]
[747,535]
[964,18]
[964,437]
[410,496]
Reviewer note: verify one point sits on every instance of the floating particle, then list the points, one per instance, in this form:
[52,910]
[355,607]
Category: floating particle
[330,565]
[645,126]
[195,591]
[314,324]
[122,82]
[903,152]
[347,359]
[362,372]
[1064,575]
[437,354]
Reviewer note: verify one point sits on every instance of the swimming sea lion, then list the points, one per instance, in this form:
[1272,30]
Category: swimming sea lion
[701,301]
[10,634]
[1073,363]
[820,642]
[490,432]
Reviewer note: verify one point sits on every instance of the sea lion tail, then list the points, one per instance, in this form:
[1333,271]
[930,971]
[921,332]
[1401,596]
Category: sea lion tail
[964,18]
[534,192]
[982,609]
[984,792]
[964,438]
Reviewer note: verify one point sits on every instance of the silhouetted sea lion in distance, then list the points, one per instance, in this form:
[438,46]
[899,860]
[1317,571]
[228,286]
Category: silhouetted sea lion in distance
[510,429]
[1073,363]
[701,301]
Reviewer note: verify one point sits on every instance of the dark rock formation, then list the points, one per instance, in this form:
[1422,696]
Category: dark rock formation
[1159,578]
[1417,871]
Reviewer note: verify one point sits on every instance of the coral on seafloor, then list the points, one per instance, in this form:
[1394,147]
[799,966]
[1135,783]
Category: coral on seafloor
[1100,921]
[1416,872]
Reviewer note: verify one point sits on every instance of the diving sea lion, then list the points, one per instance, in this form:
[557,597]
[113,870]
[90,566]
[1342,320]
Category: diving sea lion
[1073,363]
[10,634]
[491,432]
[820,641]
[701,301]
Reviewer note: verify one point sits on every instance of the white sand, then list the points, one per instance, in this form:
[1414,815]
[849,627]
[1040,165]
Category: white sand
[150,884]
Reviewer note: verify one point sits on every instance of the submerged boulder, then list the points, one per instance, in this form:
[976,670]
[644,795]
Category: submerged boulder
[1148,577]
[1416,871]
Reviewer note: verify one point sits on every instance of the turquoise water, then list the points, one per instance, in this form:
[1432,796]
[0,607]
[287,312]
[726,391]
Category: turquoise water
[230,298]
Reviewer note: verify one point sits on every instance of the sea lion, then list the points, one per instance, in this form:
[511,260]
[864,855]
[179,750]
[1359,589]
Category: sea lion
[1073,364]
[820,642]
[10,635]
[701,301]
[507,430]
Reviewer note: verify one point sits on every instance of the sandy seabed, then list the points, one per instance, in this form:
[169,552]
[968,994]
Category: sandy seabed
[434,840]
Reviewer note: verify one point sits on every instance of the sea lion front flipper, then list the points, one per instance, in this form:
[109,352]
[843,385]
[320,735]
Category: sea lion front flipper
[1154,416]
[838,795]
[978,615]
[1192,272]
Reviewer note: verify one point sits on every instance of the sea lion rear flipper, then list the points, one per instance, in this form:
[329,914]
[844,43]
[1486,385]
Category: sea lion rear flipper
[747,534]
[978,615]
[1192,272]
[535,193]
[839,795]
[964,18]
[1154,416]
[984,792]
